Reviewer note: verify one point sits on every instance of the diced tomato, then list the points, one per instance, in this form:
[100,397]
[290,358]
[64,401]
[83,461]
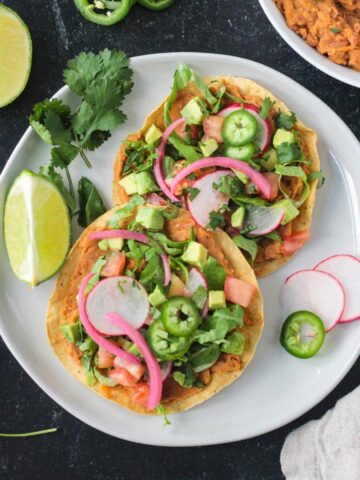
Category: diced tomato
[155,199]
[141,394]
[122,377]
[212,127]
[136,370]
[115,265]
[105,358]
[294,242]
[237,291]
[273,179]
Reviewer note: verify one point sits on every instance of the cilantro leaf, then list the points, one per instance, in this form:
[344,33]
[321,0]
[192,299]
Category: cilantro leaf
[289,152]
[81,71]
[193,193]
[90,202]
[317,176]
[214,274]
[266,107]
[204,358]
[247,244]
[285,121]
[99,110]
[185,378]
[216,220]
[140,157]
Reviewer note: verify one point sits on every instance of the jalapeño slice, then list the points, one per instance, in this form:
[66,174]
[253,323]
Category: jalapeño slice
[163,345]
[180,316]
[239,128]
[302,334]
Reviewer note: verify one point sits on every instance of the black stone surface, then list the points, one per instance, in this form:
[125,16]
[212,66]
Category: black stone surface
[77,451]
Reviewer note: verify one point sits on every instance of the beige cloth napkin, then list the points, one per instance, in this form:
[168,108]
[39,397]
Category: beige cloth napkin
[326,449]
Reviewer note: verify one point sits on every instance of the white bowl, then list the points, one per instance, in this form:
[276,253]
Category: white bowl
[344,74]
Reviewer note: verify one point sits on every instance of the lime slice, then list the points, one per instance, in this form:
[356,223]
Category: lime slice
[37,228]
[15,55]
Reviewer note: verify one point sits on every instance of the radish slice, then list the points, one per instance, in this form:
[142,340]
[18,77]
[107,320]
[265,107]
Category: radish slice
[167,271]
[257,178]
[165,368]
[346,268]
[122,295]
[317,292]
[158,171]
[265,219]
[94,334]
[262,139]
[195,280]
[125,234]
[155,382]
[208,199]
[155,199]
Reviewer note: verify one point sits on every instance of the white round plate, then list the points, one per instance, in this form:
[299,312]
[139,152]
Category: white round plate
[310,54]
[276,388]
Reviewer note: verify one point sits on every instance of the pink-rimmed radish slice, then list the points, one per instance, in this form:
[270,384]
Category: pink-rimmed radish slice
[125,234]
[158,170]
[317,292]
[225,162]
[346,268]
[93,333]
[208,199]
[155,380]
[263,137]
[195,280]
[122,295]
[264,219]
[167,270]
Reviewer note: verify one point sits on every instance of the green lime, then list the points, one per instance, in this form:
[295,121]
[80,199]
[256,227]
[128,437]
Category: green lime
[15,55]
[37,228]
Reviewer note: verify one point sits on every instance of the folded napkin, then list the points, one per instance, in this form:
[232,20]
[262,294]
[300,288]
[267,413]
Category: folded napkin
[326,449]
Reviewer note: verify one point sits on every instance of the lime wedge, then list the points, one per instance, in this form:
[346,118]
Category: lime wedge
[37,228]
[15,55]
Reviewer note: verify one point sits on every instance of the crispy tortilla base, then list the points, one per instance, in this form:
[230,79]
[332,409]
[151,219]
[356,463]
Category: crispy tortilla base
[253,93]
[62,309]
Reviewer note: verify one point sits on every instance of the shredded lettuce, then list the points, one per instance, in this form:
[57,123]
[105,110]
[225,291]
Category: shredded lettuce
[214,274]
[249,245]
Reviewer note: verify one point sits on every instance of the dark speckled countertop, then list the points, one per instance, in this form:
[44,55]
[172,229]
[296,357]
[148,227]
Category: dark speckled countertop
[77,451]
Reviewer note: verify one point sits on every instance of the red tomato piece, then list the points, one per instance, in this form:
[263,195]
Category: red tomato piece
[141,394]
[115,265]
[105,358]
[212,127]
[136,370]
[237,291]
[122,377]
[292,243]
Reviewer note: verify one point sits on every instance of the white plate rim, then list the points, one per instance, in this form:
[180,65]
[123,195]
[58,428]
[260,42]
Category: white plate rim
[174,56]
[308,53]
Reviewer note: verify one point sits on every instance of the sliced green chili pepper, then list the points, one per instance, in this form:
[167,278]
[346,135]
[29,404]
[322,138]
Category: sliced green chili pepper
[239,128]
[164,345]
[156,4]
[104,12]
[298,342]
[180,316]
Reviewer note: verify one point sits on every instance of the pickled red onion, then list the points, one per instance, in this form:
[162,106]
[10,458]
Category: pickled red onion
[226,162]
[155,381]
[158,171]
[126,234]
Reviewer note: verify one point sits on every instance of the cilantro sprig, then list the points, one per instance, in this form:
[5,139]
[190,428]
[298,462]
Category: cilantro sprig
[101,81]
